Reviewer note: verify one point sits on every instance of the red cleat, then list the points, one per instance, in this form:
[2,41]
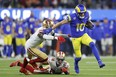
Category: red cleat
[14,63]
[23,70]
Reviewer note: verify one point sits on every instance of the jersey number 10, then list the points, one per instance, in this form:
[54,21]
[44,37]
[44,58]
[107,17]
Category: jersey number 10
[80,27]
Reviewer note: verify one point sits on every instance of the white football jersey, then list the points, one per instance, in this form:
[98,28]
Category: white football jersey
[57,67]
[34,40]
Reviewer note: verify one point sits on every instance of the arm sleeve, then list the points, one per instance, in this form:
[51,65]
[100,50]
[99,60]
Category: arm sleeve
[49,37]
[57,34]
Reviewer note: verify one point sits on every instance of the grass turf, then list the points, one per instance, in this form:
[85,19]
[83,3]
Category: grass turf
[88,68]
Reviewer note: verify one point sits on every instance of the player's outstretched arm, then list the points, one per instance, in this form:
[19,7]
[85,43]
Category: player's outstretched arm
[63,35]
[60,23]
[48,30]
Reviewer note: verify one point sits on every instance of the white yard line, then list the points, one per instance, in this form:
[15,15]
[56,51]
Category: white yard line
[104,62]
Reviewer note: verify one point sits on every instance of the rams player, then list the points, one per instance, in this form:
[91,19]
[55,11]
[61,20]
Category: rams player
[20,30]
[7,30]
[78,22]
[32,43]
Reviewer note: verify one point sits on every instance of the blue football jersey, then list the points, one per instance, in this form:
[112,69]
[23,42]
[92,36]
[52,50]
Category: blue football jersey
[77,25]
[7,27]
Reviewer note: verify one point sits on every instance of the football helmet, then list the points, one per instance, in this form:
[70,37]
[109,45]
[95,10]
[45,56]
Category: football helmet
[47,23]
[80,11]
[60,55]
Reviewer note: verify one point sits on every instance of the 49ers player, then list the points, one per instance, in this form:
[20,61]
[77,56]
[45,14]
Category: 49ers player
[36,39]
[32,43]
[57,65]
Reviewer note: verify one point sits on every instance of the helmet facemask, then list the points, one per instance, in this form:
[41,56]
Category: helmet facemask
[60,57]
[81,15]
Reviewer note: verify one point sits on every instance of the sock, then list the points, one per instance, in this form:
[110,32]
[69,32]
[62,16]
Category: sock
[18,50]
[76,64]
[4,50]
[25,62]
[9,51]
[95,51]
[23,50]
[28,67]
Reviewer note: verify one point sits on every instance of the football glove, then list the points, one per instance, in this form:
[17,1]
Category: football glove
[61,39]
[65,70]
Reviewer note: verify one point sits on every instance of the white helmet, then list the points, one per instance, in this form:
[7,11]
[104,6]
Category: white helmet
[60,55]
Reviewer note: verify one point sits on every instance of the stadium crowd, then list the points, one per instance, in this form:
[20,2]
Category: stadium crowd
[90,4]
[104,33]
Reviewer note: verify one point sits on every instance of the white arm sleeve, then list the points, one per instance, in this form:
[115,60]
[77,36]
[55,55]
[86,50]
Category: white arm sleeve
[49,37]
[57,34]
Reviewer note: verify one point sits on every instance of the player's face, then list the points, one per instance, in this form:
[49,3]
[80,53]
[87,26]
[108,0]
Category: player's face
[81,15]
[60,60]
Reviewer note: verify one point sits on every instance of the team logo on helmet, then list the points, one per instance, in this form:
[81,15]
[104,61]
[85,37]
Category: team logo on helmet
[60,55]
[47,23]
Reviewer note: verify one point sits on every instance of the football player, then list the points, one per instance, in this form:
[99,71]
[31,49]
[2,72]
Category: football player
[20,31]
[57,65]
[36,39]
[7,30]
[78,22]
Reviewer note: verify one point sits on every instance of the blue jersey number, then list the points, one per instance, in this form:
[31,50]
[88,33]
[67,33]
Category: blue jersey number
[80,27]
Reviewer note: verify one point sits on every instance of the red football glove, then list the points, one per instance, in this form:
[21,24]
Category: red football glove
[61,39]
[65,70]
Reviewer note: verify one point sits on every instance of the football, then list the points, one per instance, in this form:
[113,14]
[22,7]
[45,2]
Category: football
[89,25]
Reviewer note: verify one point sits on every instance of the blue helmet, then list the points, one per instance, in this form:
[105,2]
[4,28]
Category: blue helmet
[80,10]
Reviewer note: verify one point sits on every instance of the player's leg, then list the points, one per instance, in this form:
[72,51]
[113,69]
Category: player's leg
[25,62]
[18,47]
[91,44]
[41,56]
[5,46]
[28,67]
[9,45]
[22,70]
[77,50]
[23,41]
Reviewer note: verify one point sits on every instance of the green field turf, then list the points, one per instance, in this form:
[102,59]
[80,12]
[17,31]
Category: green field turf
[88,68]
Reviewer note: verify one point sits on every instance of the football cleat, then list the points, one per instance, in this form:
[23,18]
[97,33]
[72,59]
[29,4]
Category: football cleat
[101,65]
[14,63]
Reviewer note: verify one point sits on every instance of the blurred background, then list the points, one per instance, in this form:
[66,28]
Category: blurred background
[29,14]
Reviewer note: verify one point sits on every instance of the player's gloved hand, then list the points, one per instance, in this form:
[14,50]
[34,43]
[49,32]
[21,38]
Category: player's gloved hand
[61,39]
[69,35]
[65,70]
[47,31]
